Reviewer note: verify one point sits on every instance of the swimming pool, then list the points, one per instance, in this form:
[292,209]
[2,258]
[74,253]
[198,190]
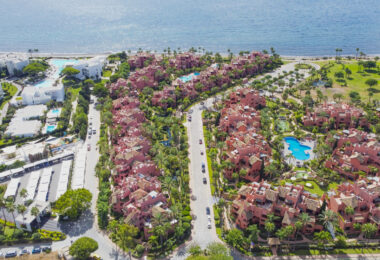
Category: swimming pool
[298,150]
[55,111]
[50,128]
[59,64]
[187,78]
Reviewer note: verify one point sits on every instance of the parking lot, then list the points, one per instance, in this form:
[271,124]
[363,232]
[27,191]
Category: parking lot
[24,182]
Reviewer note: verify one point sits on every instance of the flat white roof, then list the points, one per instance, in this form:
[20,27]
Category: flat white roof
[28,217]
[77,181]
[12,187]
[30,112]
[43,187]
[31,187]
[23,128]
[63,178]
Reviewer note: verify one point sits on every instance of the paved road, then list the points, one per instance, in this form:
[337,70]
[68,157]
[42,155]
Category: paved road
[201,235]
[87,225]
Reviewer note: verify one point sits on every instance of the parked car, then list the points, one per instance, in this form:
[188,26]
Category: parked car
[209,224]
[208,210]
[46,249]
[11,253]
[25,252]
[201,152]
[94,132]
[89,147]
[89,136]
[204,181]
[36,250]
[200,141]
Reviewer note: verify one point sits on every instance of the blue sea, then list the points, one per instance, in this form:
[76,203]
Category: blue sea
[292,27]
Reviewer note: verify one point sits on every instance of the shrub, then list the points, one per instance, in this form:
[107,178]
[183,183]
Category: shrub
[18,233]
[36,236]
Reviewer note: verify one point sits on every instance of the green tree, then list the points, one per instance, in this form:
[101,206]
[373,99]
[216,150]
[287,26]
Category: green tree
[349,210]
[217,249]
[322,238]
[235,238]
[194,250]
[126,236]
[34,68]
[100,90]
[69,71]
[73,203]
[269,227]
[83,247]
[36,212]
[371,82]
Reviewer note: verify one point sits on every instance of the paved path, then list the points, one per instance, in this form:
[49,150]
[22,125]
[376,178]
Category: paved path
[87,225]
[4,110]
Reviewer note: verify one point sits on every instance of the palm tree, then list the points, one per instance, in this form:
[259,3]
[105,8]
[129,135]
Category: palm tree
[21,209]
[11,208]
[36,212]
[369,230]
[322,237]
[23,194]
[304,218]
[357,53]
[349,210]
[269,227]
[328,217]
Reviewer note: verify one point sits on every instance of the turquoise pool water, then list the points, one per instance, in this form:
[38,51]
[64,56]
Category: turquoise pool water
[298,150]
[50,128]
[187,78]
[55,111]
[59,64]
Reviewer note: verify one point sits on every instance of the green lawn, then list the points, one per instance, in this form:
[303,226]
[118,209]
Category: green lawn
[8,88]
[107,73]
[335,251]
[356,82]
[316,189]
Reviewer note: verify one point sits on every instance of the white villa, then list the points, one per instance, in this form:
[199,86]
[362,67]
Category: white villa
[33,95]
[91,68]
[13,62]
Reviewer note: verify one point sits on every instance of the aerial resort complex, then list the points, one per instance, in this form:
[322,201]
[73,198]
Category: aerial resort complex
[114,146]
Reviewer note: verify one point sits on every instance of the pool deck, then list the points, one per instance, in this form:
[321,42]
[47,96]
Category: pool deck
[292,160]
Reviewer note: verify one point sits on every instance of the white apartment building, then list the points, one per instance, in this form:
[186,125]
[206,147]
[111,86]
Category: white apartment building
[91,68]
[13,62]
[33,95]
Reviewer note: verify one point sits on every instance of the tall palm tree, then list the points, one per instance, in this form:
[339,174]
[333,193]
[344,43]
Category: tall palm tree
[35,212]
[304,218]
[21,209]
[357,53]
[11,208]
[23,194]
[328,217]
[269,227]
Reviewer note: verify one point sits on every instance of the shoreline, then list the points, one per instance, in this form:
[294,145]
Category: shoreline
[85,55]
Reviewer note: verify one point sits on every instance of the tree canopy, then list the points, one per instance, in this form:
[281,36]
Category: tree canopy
[34,68]
[83,247]
[73,203]
[69,71]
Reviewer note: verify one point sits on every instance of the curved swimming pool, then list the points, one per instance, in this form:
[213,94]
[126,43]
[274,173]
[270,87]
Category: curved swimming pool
[298,150]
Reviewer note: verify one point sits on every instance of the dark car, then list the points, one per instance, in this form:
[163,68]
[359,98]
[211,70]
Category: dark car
[46,249]
[25,252]
[36,250]
[204,181]
[208,210]
[200,141]
[11,253]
